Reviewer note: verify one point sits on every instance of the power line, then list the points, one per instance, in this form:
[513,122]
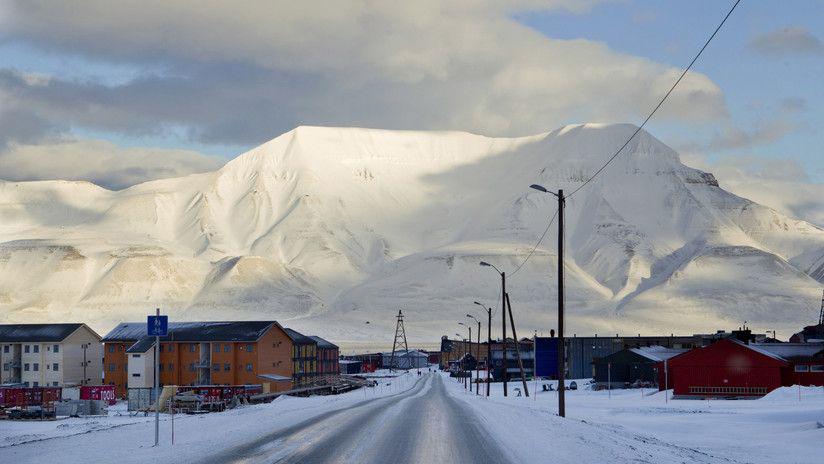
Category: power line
[536,245]
[660,103]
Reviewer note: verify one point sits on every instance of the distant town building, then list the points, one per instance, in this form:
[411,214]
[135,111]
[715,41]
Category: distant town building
[411,359]
[55,355]
[633,366]
[327,356]
[210,353]
[732,368]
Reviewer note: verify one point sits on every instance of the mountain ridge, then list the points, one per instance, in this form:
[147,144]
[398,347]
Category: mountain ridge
[336,226]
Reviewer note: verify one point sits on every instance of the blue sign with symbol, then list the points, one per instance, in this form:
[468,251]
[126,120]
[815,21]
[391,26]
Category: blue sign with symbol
[158,326]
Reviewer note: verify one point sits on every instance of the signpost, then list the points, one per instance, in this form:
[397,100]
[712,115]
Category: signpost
[157,326]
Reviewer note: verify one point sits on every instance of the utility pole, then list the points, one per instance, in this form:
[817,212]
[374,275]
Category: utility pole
[561,345]
[503,325]
[517,346]
[156,384]
[503,319]
[477,361]
[488,348]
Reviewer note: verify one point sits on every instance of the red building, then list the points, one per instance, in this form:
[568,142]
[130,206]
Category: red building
[731,368]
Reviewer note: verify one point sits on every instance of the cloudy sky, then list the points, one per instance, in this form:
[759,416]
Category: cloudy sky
[121,92]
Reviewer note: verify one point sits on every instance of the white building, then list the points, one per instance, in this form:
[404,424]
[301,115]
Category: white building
[58,355]
[411,359]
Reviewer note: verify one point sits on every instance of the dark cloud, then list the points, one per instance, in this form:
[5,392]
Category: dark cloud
[789,40]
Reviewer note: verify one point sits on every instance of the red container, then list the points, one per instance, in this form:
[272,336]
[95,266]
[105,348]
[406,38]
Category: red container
[29,396]
[99,392]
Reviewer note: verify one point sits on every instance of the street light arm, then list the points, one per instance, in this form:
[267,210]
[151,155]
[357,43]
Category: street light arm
[485,264]
[543,189]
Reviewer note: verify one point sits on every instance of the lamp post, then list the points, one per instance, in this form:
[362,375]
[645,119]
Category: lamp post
[561,354]
[460,379]
[468,351]
[488,343]
[503,318]
[477,355]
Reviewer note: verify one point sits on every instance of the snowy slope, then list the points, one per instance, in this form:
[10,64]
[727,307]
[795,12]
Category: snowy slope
[328,228]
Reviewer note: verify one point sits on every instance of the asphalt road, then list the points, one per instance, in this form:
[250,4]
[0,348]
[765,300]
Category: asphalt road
[421,425]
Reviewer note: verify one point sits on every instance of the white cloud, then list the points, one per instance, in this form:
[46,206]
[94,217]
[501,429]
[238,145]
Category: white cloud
[100,162]
[781,184]
[429,65]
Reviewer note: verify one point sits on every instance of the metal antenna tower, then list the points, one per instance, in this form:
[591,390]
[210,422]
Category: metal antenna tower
[400,335]
[821,315]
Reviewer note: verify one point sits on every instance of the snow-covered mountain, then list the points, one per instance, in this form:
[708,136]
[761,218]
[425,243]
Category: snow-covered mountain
[327,228]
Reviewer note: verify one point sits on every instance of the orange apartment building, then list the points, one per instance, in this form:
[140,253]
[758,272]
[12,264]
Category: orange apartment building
[206,353]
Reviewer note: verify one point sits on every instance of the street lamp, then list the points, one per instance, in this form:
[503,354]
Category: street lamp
[477,355]
[488,343]
[503,317]
[468,350]
[459,337]
[561,355]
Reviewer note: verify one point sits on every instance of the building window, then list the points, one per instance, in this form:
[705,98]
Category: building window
[5,348]
[217,348]
[227,348]
[36,367]
[227,367]
[119,347]
[171,367]
[111,348]
[56,348]
[136,374]
[819,368]
[55,367]
[27,349]
[802,368]
[161,348]
[6,367]
[192,347]
[250,347]
[54,384]
[216,367]
[135,355]
[35,384]
[171,348]
[248,367]
[112,367]
[36,348]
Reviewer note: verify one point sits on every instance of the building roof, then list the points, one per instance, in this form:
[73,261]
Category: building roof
[322,343]
[298,338]
[789,350]
[37,332]
[404,353]
[275,377]
[657,353]
[224,331]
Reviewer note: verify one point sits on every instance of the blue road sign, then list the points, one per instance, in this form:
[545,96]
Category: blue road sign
[546,357]
[158,326]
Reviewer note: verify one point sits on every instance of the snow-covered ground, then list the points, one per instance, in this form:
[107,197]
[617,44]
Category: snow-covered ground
[777,428]
[621,426]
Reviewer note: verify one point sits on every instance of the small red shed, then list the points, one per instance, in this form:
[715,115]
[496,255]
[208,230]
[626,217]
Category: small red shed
[726,368]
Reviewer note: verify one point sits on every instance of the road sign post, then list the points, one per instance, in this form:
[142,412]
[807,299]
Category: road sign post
[157,326]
